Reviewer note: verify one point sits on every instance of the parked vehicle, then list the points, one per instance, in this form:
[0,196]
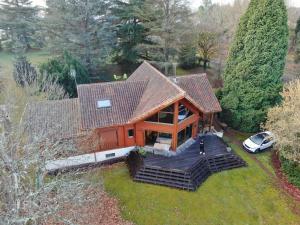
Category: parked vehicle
[259,142]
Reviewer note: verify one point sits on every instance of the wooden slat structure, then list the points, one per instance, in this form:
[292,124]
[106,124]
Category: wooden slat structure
[189,169]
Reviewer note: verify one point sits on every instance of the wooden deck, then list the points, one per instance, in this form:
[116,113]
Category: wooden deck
[190,168]
[184,161]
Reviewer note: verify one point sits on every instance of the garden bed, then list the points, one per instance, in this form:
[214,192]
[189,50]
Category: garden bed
[285,184]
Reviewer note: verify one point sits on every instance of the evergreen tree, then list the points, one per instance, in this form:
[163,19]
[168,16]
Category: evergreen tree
[252,78]
[19,20]
[297,41]
[24,73]
[170,19]
[131,31]
[187,55]
[83,28]
[60,69]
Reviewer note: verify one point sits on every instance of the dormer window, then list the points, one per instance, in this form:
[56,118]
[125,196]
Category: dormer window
[103,104]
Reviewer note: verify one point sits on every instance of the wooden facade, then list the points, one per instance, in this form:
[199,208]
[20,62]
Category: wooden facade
[135,134]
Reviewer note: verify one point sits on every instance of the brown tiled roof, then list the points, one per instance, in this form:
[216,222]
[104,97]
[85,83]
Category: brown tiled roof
[124,96]
[59,118]
[146,91]
[159,92]
[199,92]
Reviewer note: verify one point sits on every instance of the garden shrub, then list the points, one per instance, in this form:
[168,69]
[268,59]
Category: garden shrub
[292,170]
[59,69]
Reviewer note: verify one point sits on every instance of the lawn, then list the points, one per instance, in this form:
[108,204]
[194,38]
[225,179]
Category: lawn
[11,92]
[240,196]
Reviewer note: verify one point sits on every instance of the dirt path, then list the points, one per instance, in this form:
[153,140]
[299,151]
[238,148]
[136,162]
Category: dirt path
[231,134]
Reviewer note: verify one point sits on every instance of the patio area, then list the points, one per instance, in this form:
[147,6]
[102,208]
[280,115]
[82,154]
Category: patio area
[188,169]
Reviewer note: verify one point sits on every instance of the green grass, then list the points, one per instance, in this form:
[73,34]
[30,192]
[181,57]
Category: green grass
[180,71]
[6,60]
[264,157]
[11,91]
[240,196]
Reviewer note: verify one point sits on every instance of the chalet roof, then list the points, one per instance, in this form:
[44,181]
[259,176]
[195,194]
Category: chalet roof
[146,91]
[199,92]
[59,118]
[124,98]
[160,91]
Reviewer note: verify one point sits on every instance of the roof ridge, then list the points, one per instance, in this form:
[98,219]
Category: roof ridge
[112,83]
[164,76]
[192,75]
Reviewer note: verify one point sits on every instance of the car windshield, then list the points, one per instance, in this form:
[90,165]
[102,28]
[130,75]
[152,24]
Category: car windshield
[258,138]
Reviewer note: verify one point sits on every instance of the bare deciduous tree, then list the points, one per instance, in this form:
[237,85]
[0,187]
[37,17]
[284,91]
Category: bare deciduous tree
[283,121]
[207,47]
[27,194]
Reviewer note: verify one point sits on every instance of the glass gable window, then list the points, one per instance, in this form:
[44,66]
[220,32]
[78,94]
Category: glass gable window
[183,113]
[164,116]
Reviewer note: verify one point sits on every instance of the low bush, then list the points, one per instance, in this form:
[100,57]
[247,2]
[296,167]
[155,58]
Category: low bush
[24,73]
[60,68]
[292,171]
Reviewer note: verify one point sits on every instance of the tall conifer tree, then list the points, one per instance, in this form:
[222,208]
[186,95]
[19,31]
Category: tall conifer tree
[19,20]
[253,74]
[84,28]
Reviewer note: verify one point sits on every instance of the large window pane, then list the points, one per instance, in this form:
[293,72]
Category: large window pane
[183,113]
[165,117]
[153,118]
[169,109]
[181,138]
[184,135]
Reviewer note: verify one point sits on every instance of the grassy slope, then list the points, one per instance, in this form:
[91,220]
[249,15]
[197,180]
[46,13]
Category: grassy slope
[240,196]
[11,91]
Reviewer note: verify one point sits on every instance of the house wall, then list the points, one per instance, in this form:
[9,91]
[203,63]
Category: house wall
[117,136]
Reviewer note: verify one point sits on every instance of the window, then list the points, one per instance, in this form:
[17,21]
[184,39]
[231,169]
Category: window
[184,135]
[183,113]
[110,155]
[130,133]
[103,104]
[164,116]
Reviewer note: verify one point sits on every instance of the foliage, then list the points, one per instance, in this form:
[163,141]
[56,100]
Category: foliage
[131,31]
[252,78]
[297,29]
[283,121]
[60,69]
[28,197]
[226,194]
[19,20]
[83,28]
[24,73]
[297,41]
[168,21]
[292,170]
[187,55]
[207,45]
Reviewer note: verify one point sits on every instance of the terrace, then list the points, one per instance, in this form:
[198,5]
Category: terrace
[187,170]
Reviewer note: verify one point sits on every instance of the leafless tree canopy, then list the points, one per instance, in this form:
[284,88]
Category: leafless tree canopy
[27,194]
[284,122]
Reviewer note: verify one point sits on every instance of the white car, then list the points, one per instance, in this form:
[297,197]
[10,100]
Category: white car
[259,142]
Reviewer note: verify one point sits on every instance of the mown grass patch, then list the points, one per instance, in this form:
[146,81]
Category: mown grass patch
[11,92]
[239,196]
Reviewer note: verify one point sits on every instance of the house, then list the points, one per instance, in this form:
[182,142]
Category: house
[148,109]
